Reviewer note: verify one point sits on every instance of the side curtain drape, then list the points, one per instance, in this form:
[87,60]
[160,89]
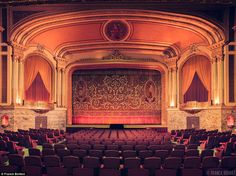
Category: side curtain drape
[203,70]
[196,91]
[188,72]
[37,91]
[200,65]
[37,65]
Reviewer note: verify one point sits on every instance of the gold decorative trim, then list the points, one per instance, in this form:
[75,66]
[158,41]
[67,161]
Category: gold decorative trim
[193,107]
[116,56]
[39,106]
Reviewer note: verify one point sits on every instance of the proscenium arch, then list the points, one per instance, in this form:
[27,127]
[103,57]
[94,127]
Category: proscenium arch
[77,47]
[30,27]
[78,66]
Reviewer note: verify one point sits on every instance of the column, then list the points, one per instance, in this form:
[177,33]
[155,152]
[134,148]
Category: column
[234,78]
[63,87]
[0,79]
[55,86]
[1,29]
[21,82]
[213,82]
[221,80]
[14,79]
[58,87]
[174,83]
[169,87]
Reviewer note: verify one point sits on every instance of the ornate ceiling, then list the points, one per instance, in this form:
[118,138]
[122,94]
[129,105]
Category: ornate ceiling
[66,34]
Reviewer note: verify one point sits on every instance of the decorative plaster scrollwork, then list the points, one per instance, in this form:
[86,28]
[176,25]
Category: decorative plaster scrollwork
[17,51]
[40,48]
[116,55]
[217,51]
[193,48]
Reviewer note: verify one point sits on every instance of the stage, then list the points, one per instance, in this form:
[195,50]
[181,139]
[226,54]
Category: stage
[75,128]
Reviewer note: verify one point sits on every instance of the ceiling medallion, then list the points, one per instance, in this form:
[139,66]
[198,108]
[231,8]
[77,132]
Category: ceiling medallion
[116,30]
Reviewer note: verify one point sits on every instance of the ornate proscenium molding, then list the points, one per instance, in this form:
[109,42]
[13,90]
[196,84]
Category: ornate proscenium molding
[61,62]
[217,50]
[17,50]
[116,56]
[40,48]
[193,48]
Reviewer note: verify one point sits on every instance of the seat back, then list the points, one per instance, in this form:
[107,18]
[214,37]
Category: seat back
[172,163]
[145,153]
[47,152]
[91,162]
[132,162]
[34,152]
[71,161]
[111,153]
[129,153]
[192,162]
[152,163]
[16,160]
[51,161]
[32,170]
[206,152]
[96,153]
[228,162]
[33,161]
[210,162]
[192,152]
[111,162]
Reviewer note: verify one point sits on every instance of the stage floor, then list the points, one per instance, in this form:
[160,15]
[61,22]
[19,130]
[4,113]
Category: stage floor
[74,128]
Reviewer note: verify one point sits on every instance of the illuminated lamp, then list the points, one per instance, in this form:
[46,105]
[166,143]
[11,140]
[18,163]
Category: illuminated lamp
[230,120]
[172,104]
[217,101]
[5,121]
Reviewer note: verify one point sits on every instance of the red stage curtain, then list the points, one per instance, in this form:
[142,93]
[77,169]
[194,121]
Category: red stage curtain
[37,91]
[196,91]
[202,66]
[37,71]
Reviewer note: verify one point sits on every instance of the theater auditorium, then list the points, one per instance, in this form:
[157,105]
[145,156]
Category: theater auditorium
[118,87]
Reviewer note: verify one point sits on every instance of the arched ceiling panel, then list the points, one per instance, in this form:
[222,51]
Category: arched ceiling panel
[65,32]
[83,33]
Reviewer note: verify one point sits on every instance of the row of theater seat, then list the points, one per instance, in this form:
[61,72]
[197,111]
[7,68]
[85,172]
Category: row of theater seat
[223,142]
[114,135]
[122,154]
[32,137]
[111,166]
[168,147]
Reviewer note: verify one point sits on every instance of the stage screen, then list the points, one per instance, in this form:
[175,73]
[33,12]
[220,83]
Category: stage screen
[116,96]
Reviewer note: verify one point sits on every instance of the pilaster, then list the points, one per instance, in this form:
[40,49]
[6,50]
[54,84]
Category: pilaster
[17,74]
[218,72]
[60,92]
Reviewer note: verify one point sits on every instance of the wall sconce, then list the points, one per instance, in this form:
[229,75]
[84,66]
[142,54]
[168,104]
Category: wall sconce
[172,104]
[18,100]
[217,101]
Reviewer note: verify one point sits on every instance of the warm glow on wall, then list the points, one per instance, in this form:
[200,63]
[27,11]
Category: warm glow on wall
[18,99]
[172,103]
[217,100]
